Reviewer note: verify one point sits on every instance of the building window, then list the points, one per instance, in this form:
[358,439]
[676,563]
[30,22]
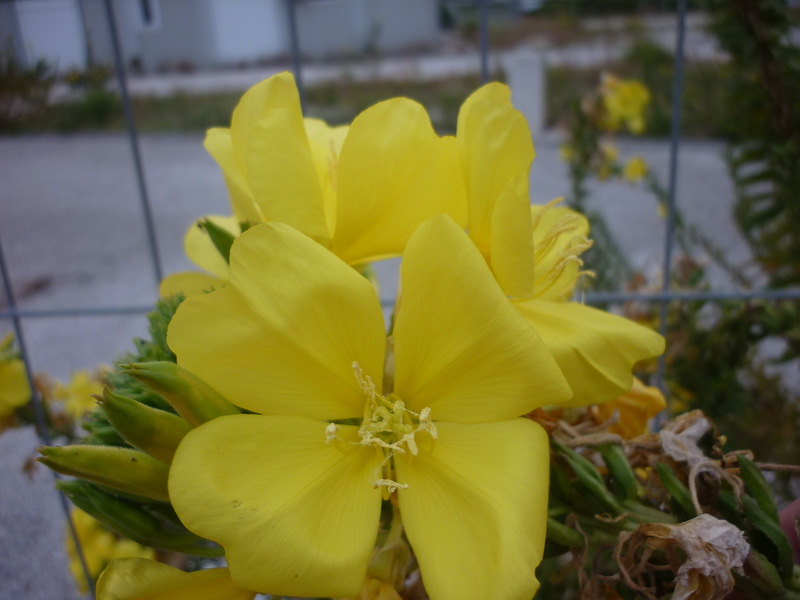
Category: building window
[149,14]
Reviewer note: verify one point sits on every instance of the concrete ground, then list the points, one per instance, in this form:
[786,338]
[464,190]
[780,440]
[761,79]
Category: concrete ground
[73,237]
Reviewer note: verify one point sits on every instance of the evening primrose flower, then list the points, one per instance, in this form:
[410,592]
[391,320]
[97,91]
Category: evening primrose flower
[293,493]
[624,101]
[77,396]
[143,579]
[360,191]
[635,169]
[14,388]
[534,252]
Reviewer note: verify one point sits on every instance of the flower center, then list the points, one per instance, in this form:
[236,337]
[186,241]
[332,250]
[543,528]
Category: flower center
[390,427]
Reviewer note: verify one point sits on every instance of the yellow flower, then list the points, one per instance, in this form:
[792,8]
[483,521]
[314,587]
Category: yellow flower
[360,191]
[143,579]
[293,492]
[624,101]
[77,395]
[634,409]
[534,252]
[14,388]
[635,169]
[99,546]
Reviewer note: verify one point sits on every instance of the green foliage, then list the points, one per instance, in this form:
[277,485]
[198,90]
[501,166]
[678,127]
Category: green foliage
[100,431]
[24,92]
[765,148]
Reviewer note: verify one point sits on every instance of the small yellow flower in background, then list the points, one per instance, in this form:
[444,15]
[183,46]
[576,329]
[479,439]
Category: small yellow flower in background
[99,546]
[14,388]
[360,191]
[634,409]
[624,101]
[297,337]
[566,152]
[635,169]
[534,252]
[77,395]
[145,579]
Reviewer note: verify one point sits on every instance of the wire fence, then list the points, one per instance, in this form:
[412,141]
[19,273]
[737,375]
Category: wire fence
[17,316]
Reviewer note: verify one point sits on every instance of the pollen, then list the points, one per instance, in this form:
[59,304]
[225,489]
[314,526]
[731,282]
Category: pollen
[389,426]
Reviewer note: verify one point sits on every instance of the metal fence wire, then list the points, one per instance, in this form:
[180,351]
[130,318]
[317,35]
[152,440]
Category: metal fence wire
[663,298]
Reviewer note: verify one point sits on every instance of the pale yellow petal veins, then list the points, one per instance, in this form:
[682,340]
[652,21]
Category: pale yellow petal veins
[271,148]
[512,256]
[143,579]
[494,145]
[281,337]
[295,510]
[218,144]
[326,146]
[595,350]
[460,347]
[394,172]
[475,509]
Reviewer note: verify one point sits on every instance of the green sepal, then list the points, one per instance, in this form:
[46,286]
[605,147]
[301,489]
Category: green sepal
[192,398]
[151,430]
[677,490]
[123,469]
[134,522]
[221,238]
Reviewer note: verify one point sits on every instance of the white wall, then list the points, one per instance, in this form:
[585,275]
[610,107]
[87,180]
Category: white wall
[248,30]
[51,29]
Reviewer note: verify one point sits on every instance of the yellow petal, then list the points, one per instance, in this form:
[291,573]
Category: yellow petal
[634,409]
[326,146]
[219,145]
[297,515]
[595,350]
[394,173]
[271,148]
[142,579]
[494,145]
[560,235]
[282,336]
[460,347]
[512,252]
[188,283]
[475,510]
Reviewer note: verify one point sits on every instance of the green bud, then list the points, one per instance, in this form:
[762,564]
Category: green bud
[124,469]
[192,398]
[758,487]
[625,484]
[768,537]
[151,430]
[677,490]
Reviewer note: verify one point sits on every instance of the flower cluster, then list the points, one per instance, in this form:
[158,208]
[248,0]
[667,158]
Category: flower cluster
[333,451]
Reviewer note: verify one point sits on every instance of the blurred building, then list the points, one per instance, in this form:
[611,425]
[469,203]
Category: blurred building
[203,34]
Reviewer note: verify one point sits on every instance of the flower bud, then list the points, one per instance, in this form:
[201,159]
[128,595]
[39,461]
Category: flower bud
[123,469]
[192,398]
[151,430]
